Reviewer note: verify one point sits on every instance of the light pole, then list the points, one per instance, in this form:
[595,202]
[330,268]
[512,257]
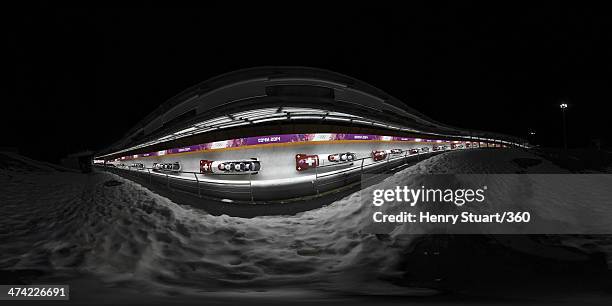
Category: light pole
[563,108]
[531,135]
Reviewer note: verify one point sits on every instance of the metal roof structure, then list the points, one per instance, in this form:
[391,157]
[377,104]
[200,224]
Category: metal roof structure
[261,95]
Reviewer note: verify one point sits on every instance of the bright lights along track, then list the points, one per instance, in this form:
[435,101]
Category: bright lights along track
[279,179]
[209,140]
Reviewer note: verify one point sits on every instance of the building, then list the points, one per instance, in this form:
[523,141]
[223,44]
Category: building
[280,126]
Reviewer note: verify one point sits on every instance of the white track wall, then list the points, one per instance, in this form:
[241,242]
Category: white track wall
[277,161]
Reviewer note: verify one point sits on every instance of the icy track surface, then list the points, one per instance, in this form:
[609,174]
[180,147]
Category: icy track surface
[65,223]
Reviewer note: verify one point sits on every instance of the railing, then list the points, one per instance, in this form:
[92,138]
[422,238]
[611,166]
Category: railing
[325,179]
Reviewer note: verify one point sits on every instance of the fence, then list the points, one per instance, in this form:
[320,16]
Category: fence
[326,178]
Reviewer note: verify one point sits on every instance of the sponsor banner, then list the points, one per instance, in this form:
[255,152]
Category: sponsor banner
[284,138]
[183,149]
[268,139]
[361,137]
[221,144]
[323,137]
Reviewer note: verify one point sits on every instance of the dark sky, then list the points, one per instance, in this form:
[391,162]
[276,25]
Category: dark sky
[83,76]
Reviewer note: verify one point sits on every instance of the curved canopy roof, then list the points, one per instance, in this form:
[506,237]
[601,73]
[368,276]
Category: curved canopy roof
[262,87]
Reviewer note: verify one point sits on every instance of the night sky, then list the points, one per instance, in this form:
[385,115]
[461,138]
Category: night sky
[81,77]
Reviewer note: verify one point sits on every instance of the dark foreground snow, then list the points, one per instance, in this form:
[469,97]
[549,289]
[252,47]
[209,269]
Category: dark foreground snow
[121,242]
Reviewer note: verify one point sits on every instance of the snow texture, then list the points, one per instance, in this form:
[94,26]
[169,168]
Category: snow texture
[65,223]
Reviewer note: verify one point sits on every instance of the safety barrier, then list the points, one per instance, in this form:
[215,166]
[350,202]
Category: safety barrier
[326,178]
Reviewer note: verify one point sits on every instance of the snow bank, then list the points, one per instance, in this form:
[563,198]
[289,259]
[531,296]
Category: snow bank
[129,236]
[12,162]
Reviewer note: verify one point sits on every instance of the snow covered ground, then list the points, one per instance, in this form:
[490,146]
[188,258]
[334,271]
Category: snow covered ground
[67,225]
